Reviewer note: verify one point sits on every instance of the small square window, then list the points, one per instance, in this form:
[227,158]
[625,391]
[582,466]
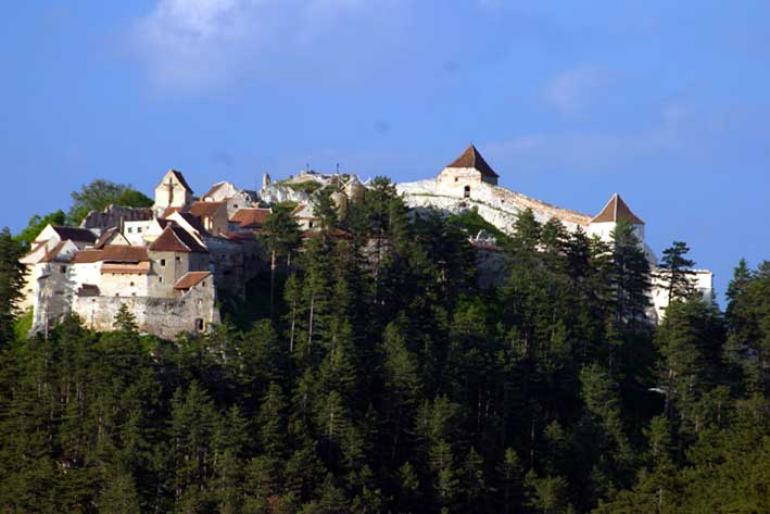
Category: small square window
[163,262]
[63,269]
[138,229]
[178,259]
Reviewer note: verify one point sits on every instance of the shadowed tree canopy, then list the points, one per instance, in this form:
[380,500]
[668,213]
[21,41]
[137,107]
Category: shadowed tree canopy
[101,193]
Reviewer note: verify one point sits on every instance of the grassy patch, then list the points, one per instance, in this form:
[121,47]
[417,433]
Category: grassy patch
[309,186]
[473,222]
[23,325]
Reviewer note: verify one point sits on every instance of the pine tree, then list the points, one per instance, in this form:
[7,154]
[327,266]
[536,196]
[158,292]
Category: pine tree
[690,342]
[630,277]
[676,271]
[282,237]
[510,478]
[11,283]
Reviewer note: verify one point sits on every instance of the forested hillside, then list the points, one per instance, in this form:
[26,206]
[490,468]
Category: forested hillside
[378,378]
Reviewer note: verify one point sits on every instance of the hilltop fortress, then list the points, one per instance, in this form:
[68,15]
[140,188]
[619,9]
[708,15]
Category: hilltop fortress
[171,263]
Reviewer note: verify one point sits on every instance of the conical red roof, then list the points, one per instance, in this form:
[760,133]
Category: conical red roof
[471,158]
[617,210]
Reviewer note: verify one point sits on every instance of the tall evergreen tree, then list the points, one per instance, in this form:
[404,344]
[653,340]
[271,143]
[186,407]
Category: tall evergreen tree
[676,271]
[11,283]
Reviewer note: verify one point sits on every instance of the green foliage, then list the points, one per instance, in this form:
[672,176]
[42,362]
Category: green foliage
[472,222]
[99,194]
[676,271]
[36,225]
[11,283]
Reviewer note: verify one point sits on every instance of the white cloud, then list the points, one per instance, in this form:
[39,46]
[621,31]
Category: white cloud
[196,44]
[573,91]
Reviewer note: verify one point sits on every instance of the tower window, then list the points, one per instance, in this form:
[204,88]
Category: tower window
[467,193]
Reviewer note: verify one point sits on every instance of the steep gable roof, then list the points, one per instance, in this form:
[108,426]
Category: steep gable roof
[617,210]
[472,158]
[191,219]
[178,175]
[80,235]
[109,236]
[216,187]
[176,239]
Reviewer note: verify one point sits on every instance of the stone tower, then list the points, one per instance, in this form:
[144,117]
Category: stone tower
[466,173]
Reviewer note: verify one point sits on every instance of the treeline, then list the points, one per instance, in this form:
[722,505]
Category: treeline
[381,379]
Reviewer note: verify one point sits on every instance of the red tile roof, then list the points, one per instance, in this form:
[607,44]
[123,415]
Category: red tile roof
[169,211]
[113,254]
[176,239]
[206,208]
[87,256]
[471,158]
[191,279]
[617,210]
[250,218]
[122,253]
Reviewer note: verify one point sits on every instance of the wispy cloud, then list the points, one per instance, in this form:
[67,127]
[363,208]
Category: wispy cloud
[194,44]
[572,91]
[600,151]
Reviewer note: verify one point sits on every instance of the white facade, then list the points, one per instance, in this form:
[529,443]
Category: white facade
[137,232]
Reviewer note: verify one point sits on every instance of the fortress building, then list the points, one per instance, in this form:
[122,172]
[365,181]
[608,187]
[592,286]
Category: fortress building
[172,264]
[469,182]
[169,264]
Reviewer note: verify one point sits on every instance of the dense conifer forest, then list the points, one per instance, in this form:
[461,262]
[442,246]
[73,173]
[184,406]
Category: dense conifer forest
[369,374]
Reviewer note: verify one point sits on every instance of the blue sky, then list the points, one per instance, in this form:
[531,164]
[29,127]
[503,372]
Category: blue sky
[665,102]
